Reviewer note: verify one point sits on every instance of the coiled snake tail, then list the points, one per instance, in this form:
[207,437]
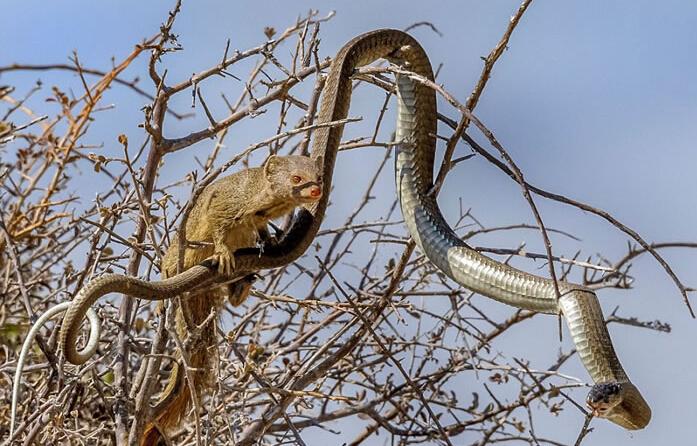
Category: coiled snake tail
[195,276]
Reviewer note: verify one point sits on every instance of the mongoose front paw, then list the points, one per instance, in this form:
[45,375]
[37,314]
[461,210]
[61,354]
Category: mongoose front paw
[226,262]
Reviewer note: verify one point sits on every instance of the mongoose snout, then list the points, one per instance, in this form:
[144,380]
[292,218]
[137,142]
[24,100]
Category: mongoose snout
[311,191]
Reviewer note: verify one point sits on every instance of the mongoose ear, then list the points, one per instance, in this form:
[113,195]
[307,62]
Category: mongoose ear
[271,165]
[319,162]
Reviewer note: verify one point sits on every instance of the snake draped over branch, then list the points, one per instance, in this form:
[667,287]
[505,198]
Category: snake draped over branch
[613,396]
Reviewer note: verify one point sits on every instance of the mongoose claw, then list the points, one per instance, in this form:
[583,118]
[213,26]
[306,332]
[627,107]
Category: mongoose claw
[226,262]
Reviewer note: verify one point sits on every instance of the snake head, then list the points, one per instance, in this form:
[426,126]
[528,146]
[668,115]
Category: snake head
[603,397]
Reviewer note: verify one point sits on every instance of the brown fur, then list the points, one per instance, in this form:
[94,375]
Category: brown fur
[231,213]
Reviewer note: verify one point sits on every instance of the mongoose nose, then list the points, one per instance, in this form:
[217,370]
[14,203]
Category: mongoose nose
[315,192]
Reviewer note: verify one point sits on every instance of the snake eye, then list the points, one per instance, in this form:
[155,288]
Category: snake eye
[296,179]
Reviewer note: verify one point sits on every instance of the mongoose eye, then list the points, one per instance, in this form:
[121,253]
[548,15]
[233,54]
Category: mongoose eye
[296,179]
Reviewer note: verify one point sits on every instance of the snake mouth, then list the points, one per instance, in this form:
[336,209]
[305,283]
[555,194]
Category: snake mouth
[599,410]
[603,397]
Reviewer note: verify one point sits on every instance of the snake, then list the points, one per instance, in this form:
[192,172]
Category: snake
[613,396]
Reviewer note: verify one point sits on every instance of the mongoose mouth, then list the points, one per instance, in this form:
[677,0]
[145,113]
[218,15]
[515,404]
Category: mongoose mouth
[310,198]
[309,192]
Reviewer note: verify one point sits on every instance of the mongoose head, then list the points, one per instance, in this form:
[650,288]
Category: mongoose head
[296,178]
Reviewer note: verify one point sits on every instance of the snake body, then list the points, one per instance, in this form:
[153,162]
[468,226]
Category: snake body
[416,129]
[193,277]
[617,398]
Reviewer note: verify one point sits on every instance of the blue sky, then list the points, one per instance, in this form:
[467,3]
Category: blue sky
[595,100]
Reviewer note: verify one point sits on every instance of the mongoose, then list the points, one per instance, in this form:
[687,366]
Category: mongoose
[231,213]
